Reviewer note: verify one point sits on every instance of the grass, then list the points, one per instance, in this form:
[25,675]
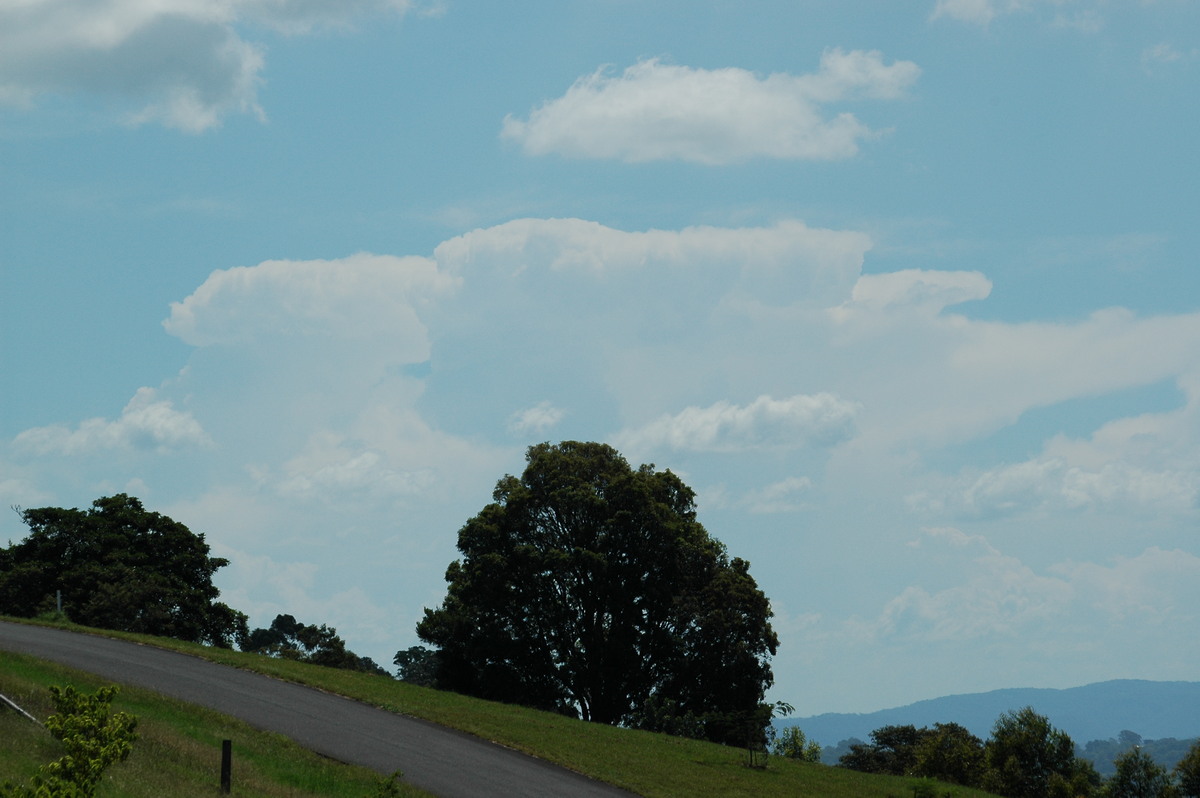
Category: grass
[178,751]
[652,765]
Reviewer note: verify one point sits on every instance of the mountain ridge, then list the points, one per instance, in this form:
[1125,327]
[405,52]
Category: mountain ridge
[1096,711]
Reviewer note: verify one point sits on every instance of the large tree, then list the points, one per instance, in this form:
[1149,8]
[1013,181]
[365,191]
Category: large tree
[118,566]
[1026,757]
[589,587]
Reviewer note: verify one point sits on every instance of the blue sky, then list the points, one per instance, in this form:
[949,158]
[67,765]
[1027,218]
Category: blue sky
[906,291]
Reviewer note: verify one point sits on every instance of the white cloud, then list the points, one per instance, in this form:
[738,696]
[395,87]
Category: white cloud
[784,496]
[766,423]
[1144,463]
[364,298]
[535,420]
[784,263]
[182,63]
[656,111]
[927,291]
[998,595]
[332,468]
[146,423]
[979,12]
[1082,16]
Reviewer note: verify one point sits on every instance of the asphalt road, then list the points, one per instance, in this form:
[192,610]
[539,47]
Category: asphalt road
[440,760]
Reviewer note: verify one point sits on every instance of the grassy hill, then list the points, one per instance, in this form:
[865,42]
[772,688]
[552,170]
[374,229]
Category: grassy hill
[177,736]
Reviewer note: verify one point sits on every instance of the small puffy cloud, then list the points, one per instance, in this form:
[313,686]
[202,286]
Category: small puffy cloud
[535,420]
[363,298]
[656,111]
[147,423]
[766,423]
[784,496]
[350,477]
[182,63]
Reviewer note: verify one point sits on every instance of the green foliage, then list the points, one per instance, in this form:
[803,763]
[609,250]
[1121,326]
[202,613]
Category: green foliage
[391,787]
[1139,776]
[949,752]
[417,665]
[1026,757]
[893,750]
[589,588]
[93,739]
[318,645]
[791,743]
[1166,751]
[118,567]
[1188,772]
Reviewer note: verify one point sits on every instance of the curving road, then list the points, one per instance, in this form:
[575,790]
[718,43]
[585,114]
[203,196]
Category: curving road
[440,760]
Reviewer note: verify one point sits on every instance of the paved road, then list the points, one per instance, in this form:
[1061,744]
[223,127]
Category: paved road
[440,760]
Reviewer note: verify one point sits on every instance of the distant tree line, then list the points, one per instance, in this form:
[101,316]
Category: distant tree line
[1025,757]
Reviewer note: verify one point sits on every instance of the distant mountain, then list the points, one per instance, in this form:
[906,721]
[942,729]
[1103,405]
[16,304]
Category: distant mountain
[1093,712]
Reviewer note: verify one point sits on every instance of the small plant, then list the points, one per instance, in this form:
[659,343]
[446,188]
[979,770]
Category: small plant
[93,738]
[390,787]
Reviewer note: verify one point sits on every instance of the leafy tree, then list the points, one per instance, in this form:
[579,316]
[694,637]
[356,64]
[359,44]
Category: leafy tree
[319,645]
[417,665]
[1139,776]
[892,750]
[118,567]
[589,588]
[949,752]
[793,744]
[93,739]
[1026,757]
[1188,772]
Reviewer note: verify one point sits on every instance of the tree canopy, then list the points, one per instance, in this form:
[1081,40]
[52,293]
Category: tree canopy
[589,587]
[319,645]
[118,566]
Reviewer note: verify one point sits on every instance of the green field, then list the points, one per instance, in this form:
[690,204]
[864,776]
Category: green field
[179,752]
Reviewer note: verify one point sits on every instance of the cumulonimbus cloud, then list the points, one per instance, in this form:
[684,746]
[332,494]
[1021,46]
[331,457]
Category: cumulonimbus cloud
[181,63]
[802,420]
[657,111]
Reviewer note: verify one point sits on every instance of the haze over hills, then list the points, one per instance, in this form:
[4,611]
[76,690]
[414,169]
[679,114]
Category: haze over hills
[1092,712]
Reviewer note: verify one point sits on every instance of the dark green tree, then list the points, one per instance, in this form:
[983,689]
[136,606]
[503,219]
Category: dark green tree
[118,567]
[892,750]
[319,645]
[1026,757]
[1139,776]
[1187,770]
[949,752]
[417,665]
[589,588]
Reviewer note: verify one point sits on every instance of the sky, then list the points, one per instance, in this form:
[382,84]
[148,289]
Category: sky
[907,292]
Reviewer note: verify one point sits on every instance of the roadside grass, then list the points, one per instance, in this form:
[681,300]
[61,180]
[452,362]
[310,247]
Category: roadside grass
[645,763]
[178,751]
